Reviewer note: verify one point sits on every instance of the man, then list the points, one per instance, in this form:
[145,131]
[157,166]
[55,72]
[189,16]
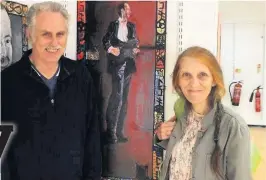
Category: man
[6,46]
[50,99]
[121,44]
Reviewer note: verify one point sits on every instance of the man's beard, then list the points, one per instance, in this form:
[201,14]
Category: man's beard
[5,62]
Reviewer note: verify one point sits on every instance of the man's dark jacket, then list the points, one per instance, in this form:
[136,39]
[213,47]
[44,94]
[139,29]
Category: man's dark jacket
[111,39]
[53,141]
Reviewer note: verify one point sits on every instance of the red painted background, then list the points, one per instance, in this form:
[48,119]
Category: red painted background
[139,121]
[140,107]
[144,16]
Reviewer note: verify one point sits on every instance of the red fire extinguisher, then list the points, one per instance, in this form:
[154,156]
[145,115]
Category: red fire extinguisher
[257,99]
[236,93]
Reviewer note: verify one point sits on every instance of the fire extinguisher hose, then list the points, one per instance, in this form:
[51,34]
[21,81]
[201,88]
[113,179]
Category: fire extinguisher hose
[252,94]
[231,98]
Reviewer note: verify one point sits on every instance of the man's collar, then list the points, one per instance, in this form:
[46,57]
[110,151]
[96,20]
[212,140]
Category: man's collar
[66,67]
[120,20]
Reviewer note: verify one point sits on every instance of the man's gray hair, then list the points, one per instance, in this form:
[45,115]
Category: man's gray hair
[47,6]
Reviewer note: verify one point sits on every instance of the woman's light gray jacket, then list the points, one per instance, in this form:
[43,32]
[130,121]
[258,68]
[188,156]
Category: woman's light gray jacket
[234,140]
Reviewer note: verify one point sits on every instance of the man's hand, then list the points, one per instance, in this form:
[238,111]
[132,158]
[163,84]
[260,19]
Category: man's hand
[165,129]
[115,51]
[135,51]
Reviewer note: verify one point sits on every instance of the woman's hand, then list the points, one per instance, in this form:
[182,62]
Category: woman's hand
[164,130]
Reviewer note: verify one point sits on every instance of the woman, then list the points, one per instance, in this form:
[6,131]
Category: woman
[208,141]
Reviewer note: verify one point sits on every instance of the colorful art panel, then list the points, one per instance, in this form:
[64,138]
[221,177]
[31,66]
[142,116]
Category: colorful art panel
[132,87]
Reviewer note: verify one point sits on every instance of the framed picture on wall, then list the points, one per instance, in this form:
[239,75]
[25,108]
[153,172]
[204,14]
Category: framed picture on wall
[13,32]
[131,85]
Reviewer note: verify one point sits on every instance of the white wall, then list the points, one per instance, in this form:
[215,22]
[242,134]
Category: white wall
[171,55]
[264,83]
[200,21]
[242,47]
[264,65]
[242,11]
[245,14]
[199,27]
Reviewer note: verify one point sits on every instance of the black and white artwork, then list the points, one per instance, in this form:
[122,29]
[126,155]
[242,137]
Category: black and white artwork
[13,32]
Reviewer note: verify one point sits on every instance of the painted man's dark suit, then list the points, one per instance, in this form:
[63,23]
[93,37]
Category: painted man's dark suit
[121,68]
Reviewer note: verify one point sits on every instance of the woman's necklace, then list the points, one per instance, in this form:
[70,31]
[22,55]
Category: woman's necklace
[197,114]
